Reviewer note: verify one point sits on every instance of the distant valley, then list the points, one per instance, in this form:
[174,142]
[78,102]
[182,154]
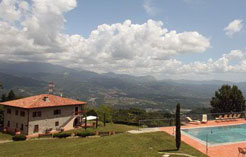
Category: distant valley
[118,90]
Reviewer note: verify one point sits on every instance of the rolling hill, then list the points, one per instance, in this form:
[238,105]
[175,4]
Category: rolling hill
[108,88]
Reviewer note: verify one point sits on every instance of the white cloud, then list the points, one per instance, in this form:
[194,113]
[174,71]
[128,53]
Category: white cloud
[117,47]
[233,27]
[9,11]
[221,65]
[149,7]
[138,49]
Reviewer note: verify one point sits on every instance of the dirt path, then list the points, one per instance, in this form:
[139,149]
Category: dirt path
[144,130]
[5,141]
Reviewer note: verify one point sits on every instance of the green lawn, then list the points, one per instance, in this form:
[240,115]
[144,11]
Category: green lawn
[5,136]
[110,127]
[125,144]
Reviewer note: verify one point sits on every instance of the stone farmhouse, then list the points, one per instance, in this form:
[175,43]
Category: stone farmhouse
[42,114]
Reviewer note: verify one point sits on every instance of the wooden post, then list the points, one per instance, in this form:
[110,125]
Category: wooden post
[113,132]
[104,119]
[96,122]
[97,133]
[85,122]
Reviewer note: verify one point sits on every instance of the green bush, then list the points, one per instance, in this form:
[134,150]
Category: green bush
[62,135]
[100,124]
[19,138]
[85,133]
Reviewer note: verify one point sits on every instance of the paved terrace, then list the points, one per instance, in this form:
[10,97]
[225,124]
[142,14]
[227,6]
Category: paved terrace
[228,150]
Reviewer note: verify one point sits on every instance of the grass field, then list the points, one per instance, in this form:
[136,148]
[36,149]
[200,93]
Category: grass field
[125,144]
[109,127]
[5,136]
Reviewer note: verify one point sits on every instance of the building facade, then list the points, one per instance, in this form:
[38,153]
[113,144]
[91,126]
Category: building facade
[42,114]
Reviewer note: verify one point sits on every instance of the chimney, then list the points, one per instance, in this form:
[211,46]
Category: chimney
[46,99]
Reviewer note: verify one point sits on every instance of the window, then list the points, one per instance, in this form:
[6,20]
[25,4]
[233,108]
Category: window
[9,111]
[8,124]
[22,113]
[22,127]
[35,128]
[56,123]
[16,112]
[76,110]
[16,125]
[36,114]
[56,112]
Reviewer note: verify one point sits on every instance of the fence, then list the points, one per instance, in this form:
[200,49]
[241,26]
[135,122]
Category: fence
[211,116]
[148,123]
[156,122]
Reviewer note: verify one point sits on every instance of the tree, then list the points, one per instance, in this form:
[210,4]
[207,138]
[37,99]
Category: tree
[228,99]
[1,114]
[104,110]
[91,112]
[3,98]
[11,95]
[178,130]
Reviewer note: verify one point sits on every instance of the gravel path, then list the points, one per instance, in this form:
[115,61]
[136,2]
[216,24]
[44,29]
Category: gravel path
[5,141]
[144,130]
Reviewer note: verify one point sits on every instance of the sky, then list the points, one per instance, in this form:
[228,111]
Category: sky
[167,39]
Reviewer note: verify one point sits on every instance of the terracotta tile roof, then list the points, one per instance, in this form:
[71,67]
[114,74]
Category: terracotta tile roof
[43,100]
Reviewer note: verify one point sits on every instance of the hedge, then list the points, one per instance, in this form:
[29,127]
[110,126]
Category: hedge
[19,138]
[61,135]
[85,133]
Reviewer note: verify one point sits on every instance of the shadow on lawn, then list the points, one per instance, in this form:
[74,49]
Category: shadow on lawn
[168,150]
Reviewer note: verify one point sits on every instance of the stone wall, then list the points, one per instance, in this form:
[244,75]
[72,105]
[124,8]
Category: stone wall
[48,119]
[15,120]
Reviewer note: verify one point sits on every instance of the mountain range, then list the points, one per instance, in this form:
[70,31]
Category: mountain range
[119,90]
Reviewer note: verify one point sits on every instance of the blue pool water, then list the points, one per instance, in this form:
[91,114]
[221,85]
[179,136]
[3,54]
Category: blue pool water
[218,135]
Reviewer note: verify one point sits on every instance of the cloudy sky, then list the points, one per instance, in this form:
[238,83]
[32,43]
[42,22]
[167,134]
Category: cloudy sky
[181,39]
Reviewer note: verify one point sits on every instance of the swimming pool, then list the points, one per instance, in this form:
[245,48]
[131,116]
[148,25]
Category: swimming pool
[218,135]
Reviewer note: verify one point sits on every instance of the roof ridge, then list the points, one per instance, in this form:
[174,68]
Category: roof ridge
[36,101]
[39,96]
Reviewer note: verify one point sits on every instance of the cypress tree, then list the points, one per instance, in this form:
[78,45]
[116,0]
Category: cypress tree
[178,130]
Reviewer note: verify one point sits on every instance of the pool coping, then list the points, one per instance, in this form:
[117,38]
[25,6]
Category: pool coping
[210,144]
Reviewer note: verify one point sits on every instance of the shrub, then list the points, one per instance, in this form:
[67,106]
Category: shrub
[62,135]
[19,138]
[85,133]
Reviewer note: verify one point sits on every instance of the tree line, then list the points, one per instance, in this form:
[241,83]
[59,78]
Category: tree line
[129,116]
[7,97]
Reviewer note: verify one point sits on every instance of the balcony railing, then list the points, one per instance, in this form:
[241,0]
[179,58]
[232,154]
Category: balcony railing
[78,112]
